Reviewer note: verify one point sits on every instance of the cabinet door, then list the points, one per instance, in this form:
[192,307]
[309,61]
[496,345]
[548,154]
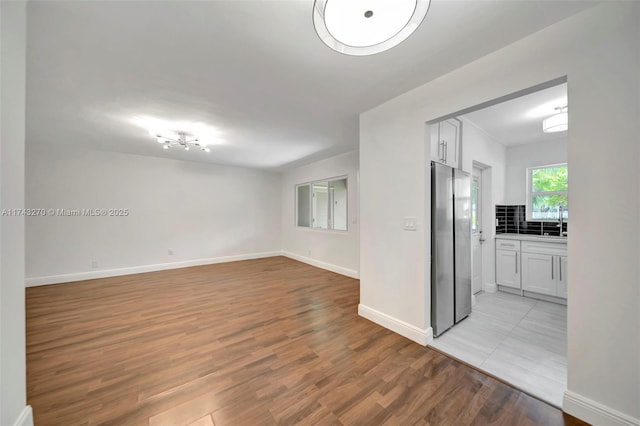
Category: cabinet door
[445,142]
[563,276]
[450,139]
[437,152]
[507,268]
[539,273]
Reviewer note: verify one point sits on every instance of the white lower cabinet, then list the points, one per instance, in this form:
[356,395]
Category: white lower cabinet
[538,273]
[544,268]
[507,268]
[563,276]
[533,266]
[508,263]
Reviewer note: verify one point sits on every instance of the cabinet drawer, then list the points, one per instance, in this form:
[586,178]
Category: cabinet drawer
[544,248]
[512,245]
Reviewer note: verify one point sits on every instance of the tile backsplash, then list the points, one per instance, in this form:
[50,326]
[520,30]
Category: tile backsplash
[513,220]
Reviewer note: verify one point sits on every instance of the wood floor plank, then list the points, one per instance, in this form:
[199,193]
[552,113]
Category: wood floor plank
[204,421]
[267,341]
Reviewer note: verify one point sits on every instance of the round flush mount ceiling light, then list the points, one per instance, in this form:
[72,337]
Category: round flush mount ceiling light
[365,27]
[556,123]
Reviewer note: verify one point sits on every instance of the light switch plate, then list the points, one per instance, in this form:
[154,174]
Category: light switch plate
[410,224]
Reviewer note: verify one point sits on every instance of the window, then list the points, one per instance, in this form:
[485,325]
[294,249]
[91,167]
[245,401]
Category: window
[547,192]
[322,204]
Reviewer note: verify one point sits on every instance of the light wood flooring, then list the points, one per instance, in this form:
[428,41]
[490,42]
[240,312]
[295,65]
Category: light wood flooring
[522,341]
[268,341]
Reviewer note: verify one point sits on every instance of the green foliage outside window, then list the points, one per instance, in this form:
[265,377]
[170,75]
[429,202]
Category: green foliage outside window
[549,179]
[548,191]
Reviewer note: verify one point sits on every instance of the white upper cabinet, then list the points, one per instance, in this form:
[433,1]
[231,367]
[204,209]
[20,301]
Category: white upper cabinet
[446,141]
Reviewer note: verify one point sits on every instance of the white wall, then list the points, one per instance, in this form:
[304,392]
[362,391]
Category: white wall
[520,157]
[200,211]
[333,250]
[13,393]
[598,51]
[480,147]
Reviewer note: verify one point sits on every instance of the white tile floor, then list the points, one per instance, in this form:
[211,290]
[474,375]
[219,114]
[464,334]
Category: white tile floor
[520,340]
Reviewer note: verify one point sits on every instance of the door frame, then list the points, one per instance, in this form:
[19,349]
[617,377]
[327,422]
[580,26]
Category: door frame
[488,227]
[476,177]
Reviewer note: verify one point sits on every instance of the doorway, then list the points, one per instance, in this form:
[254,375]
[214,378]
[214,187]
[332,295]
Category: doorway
[476,229]
[517,329]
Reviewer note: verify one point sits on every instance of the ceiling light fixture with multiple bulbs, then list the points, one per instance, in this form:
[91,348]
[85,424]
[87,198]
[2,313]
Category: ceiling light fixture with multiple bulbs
[182,140]
[179,134]
[558,122]
[365,27]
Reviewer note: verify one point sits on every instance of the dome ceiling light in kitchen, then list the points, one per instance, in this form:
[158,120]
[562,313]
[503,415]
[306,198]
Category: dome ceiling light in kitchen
[365,27]
[558,122]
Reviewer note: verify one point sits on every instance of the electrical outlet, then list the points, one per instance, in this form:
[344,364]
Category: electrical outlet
[170,252]
[94,264]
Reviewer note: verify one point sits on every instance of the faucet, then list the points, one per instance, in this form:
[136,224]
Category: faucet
[561,209]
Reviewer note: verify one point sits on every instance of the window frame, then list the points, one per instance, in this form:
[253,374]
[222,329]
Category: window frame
[310,184]
[531,194]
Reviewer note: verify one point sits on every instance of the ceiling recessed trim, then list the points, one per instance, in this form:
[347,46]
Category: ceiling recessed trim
[367,27]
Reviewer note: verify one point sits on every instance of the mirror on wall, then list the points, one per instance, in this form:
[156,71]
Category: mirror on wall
[322,204]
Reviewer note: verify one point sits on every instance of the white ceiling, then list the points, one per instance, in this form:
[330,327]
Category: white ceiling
[519,121]
[255,71]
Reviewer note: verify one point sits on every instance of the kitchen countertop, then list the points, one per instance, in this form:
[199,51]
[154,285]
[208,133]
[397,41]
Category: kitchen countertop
[525,237]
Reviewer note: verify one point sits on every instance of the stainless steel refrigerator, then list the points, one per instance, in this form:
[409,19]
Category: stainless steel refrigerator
[450,247]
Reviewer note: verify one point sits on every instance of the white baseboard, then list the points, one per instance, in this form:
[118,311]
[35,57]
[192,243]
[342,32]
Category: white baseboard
[25,418]
[352,273]
[544,297]
[595,413]
[510,290]
[105,273]
[418,335]
[489,287]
